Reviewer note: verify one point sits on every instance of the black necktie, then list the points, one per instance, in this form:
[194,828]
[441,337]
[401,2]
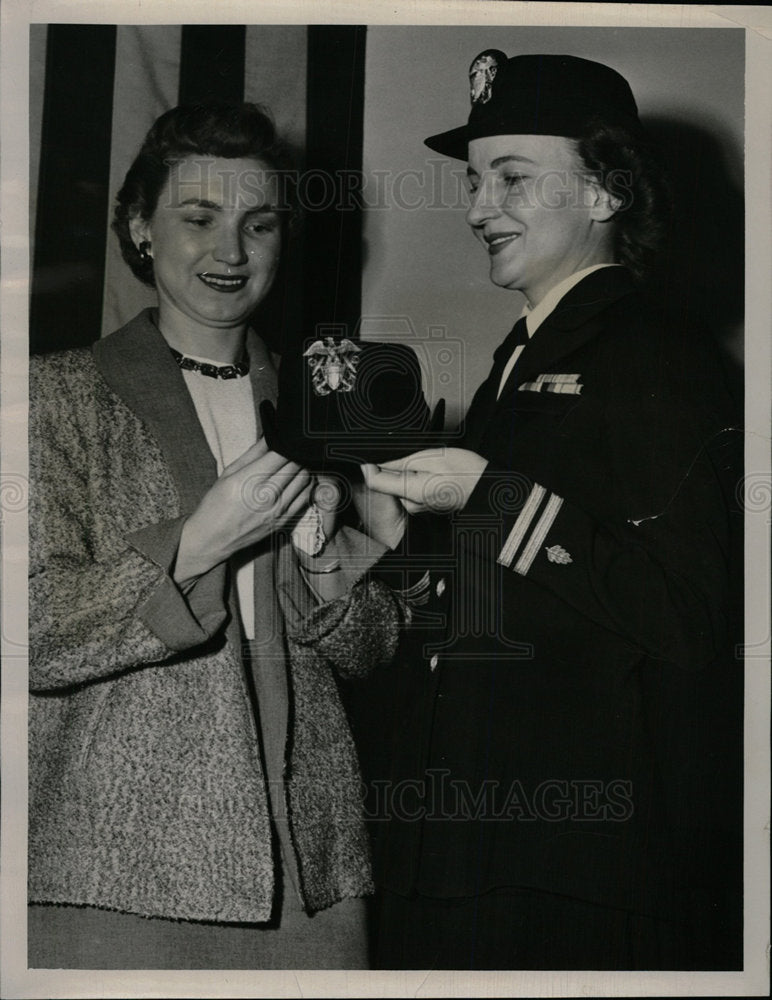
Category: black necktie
[484,401]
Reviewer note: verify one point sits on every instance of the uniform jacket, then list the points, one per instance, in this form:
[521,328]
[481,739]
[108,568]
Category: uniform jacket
[559,716]
[150,791]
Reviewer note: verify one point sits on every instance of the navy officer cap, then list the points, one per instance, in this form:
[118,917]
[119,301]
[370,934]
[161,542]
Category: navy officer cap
[342,403]
[538,95]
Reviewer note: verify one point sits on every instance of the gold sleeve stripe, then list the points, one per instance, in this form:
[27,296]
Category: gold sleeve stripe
[415,590]
[521,525]
[539,533]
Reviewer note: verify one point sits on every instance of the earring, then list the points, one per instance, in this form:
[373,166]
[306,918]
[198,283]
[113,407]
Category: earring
[144,251]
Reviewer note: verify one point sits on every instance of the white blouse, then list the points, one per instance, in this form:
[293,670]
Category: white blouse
[226,411]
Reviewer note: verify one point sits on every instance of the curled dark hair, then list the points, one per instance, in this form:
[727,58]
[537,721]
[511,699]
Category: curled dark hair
[213,129]
[628,167]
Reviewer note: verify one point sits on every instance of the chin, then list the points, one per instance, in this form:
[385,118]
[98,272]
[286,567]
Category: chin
[502,279]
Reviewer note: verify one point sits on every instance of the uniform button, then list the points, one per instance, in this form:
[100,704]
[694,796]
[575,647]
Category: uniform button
[440,588]
[433,662]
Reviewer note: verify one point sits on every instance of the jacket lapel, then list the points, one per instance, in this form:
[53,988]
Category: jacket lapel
[136,363]
[267,660]
[262,374]
[574,321]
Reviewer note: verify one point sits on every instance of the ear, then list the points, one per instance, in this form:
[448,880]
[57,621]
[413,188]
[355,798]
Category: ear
[140,231]
[603,205]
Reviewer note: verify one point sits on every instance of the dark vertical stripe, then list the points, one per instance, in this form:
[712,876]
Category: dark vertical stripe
[73,188]
[331,185]
[212,63]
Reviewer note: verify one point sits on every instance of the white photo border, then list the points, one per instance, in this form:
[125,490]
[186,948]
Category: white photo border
[16,980]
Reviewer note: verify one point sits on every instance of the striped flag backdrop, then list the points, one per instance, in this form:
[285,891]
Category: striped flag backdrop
[94,92]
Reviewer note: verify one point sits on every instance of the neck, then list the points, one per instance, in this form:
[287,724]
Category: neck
[224,345]
[534,296]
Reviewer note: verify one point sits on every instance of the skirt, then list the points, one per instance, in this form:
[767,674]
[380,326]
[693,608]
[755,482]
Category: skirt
[86,937]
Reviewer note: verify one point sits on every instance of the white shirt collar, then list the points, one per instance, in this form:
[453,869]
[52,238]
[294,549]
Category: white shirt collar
[536,316]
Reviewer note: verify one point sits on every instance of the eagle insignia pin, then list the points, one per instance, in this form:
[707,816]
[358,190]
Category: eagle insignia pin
[333,366]
[482,73]
[557,554]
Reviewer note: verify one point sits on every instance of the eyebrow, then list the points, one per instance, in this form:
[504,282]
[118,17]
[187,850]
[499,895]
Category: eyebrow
[512,156]
[500,160]
[199,203]
[204,203]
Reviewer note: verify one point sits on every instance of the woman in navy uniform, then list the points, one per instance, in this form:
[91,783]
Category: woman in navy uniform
[556,784]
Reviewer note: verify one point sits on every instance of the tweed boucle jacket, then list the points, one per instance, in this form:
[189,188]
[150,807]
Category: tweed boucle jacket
[153,788]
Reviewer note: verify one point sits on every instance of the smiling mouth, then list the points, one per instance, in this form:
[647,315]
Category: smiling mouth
[496,243]
[223,282]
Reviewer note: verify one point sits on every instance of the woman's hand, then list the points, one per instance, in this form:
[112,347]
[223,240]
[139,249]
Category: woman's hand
[318,524]
[327,494]
[437,479]
[381,514]
[255,495]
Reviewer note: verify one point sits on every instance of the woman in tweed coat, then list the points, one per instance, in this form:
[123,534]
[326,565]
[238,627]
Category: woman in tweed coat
[189,756]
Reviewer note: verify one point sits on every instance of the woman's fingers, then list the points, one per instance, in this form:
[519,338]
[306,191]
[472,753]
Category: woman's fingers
[420,461]
[265,496]
[291,488]
[327,492]
[382,481]
[252,454]
[414,508]
[434,479]
[405,484]
[260,461]
[246,504]
[294,508]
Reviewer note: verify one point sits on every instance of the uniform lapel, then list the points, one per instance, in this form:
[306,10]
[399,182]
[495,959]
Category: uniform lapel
[485,399]
[480,411]
[575,320]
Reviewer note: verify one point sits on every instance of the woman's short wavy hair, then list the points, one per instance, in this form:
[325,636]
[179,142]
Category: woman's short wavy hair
[213,129]
[627,165]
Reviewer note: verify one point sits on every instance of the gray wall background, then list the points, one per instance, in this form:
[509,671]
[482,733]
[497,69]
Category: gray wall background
[425,277]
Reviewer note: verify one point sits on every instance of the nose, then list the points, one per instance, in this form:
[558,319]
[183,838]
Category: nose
[229,247]
[483,205]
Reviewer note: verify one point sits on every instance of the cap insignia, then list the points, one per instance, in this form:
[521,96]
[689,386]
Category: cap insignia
[333,366]
[482,73]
